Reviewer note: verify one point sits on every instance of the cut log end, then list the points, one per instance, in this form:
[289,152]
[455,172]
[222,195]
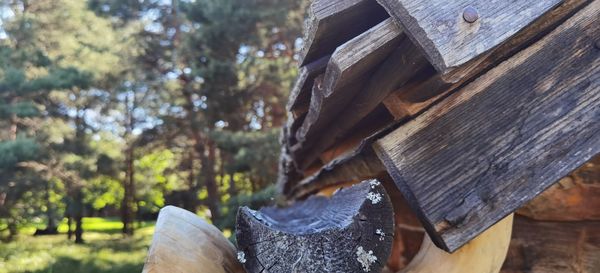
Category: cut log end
[350,232]
[183,242]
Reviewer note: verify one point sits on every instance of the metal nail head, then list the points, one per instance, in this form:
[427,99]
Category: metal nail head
[470,14]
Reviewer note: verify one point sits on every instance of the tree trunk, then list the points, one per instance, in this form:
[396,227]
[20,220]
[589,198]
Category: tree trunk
[208,172]
[128,197]
[128,204]
[79,217]
[69,225]
[50,210]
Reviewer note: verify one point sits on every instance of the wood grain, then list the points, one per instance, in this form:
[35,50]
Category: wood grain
[482,152]
[183,242]
[331,23]
[350,232]
[403,64]
[576,197]
[299,98]
[554,247]
[448,40]
[347,71]
[485,253]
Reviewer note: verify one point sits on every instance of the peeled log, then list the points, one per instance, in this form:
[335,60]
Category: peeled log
[350,232]
[485,253]
[183,242]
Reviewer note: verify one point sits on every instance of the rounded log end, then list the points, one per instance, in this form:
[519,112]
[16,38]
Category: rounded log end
[350,232]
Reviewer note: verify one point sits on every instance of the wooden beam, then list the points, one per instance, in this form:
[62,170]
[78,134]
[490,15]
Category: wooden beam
[350,232]
[183,242]
[347,71]
[504,138]
[447,36]
[299,98]
[485,253]
[331,23]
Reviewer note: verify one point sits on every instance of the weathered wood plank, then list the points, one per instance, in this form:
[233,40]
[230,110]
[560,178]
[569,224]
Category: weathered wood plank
[331,23]
[350,232]
[412,99]
[405,63]
[349,68]
[449,40]
[357,164]
[554,247]
[299,98]
[484,151]
[183,242]
[374,122]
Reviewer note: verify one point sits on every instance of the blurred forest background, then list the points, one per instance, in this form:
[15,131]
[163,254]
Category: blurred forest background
[112,109]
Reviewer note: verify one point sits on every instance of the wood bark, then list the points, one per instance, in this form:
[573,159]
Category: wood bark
[506,137]
[183,242]
[331,23]
[350,232]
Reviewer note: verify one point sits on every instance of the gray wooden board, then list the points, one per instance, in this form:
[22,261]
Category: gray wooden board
[299,98]
[448,40]
[347,71]
[350,232]
[331,23]
[484,151]
[405,63]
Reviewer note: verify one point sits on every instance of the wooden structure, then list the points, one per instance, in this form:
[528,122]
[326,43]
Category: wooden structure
[466,111]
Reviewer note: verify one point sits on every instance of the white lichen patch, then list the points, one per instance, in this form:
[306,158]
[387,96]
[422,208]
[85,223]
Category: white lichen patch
[241,256]
[381,234]
[375,197]
[365,258]
[374,183]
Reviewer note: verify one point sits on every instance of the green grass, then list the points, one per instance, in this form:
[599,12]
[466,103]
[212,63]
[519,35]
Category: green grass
[105,250]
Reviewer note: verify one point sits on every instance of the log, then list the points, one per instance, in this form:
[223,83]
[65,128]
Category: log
[299,98]
[331,23]
[347,71]
[485,253]
[504,138]
[454,33]
[575,197]
[554,247]
[183,242]
[349,232]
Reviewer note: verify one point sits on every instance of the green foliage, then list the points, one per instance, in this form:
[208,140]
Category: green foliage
[15,151]
[186,97]
[103,253]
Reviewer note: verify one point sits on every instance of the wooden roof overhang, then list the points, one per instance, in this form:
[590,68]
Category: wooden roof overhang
[472,107]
